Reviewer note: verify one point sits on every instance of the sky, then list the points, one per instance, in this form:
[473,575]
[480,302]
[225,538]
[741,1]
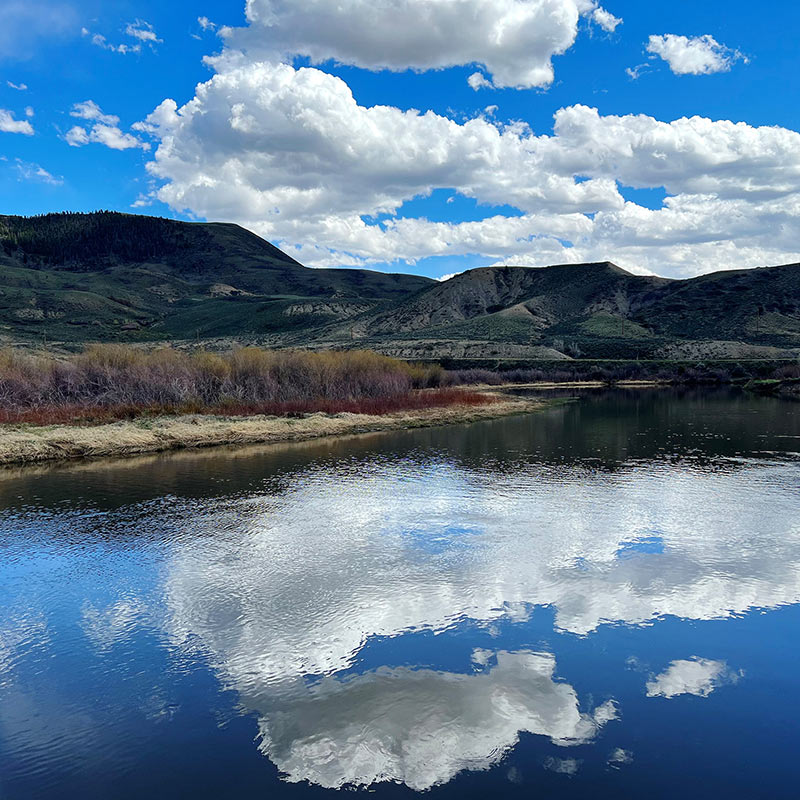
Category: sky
[425,136]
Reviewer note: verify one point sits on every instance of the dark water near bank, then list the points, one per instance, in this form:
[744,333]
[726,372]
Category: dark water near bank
[602,600]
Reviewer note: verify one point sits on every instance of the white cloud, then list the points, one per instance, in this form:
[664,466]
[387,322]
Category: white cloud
[113,137]
[76,136]
[99,40]
[20,87]
[696,55]
[206,24]
[142,201]
[290,154]
[514,39]
[635,72]
[479,81]
[35,172]
[140,31]
[29,112]
[698,676]
[606,20]
[9,124]
[105,129]
[143,31]
[88,109]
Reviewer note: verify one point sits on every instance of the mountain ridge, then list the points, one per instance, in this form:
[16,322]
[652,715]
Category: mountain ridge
[125,277]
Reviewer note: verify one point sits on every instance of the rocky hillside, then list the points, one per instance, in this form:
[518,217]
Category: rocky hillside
[597,311]
[106,276]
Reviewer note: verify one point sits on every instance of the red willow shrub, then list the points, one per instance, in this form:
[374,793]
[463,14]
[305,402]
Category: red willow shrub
[108,382]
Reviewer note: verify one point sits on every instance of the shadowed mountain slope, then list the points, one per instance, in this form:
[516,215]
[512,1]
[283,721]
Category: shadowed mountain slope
[545,296]
[107,275]
[78,277]
[601,311]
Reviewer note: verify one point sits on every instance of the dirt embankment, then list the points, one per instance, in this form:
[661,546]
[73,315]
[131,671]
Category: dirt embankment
[30,444]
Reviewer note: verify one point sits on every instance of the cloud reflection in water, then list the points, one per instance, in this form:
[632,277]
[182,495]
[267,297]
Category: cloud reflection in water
[419,727]
[293,587]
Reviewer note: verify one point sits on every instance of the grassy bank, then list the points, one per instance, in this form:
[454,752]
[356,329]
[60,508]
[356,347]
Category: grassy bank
[21,444]
[115,400]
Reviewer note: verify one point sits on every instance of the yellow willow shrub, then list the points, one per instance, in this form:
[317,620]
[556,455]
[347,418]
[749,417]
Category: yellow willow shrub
[111,374]
[251,361]
[110,356]
[211,366]
[13,360]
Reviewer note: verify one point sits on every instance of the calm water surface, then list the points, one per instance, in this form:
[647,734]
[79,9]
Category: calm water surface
[602,600]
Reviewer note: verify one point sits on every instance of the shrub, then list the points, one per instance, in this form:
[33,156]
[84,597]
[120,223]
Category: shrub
[116,381]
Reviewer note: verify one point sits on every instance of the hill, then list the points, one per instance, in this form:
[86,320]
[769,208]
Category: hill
[114,276]
[123,277]
[599,311]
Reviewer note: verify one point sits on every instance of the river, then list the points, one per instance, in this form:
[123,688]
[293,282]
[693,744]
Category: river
[599,600]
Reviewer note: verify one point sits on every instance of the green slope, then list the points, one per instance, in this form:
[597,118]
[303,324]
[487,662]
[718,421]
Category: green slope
[123,276]
[78,277]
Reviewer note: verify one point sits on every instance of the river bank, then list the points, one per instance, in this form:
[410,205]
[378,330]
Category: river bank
[27,444]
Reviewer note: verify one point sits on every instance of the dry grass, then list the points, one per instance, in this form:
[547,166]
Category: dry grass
[114,400]
[30,444]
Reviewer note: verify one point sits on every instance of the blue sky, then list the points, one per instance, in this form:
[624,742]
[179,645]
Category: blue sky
[477,177]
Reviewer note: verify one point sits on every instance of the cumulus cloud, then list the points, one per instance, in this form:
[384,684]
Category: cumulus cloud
[479,81]
[514,39]
[20,87]
[76,136]
[698,676]
[696,55]
[114,138]
[206,24]
[290,154]
[105,129]
[419,727]
[9,124]
[606,20]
